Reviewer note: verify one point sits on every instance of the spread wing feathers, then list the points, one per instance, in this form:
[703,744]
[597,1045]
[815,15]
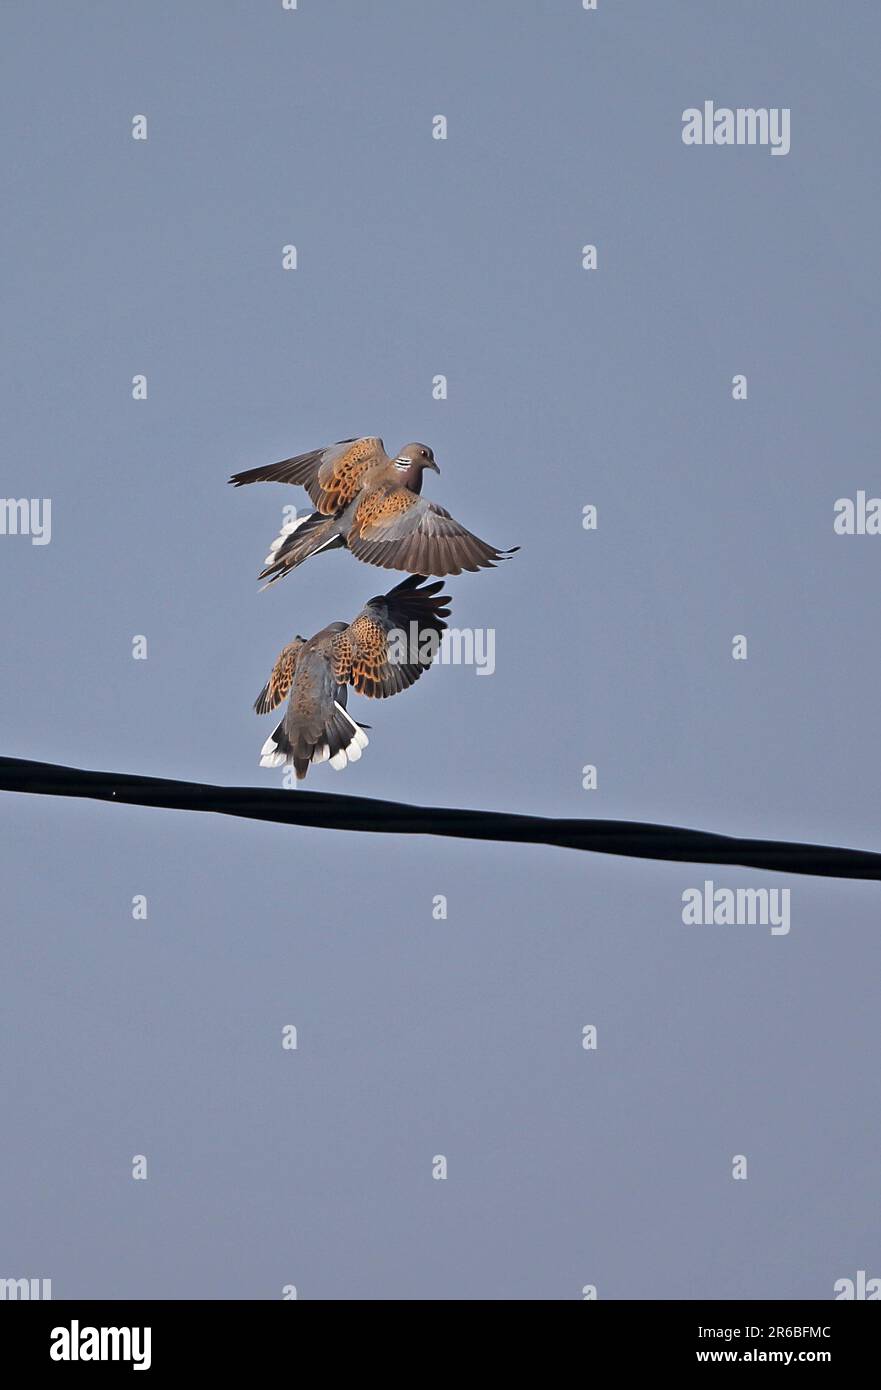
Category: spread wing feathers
[334,737]
[279,684]
[331,476]
[392,641]
[399,530]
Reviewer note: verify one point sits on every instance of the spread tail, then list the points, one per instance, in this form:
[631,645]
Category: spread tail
[340,742]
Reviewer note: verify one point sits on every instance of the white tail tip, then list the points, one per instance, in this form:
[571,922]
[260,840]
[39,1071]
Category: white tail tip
[287,530]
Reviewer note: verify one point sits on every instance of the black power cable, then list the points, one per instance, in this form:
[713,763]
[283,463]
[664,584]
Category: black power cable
[330,811]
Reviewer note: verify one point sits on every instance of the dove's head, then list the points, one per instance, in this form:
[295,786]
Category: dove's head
[412,462]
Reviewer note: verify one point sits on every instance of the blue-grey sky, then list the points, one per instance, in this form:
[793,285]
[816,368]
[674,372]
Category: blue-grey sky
[566,387]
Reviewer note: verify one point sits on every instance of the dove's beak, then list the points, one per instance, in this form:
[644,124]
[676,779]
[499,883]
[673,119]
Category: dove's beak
[433,466]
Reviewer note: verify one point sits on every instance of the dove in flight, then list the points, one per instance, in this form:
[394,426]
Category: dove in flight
[371,504]
[384,650]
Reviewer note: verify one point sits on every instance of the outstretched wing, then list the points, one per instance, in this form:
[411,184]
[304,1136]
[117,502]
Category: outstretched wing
[393,640]
[331,476]
[400,530]
[277,688]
